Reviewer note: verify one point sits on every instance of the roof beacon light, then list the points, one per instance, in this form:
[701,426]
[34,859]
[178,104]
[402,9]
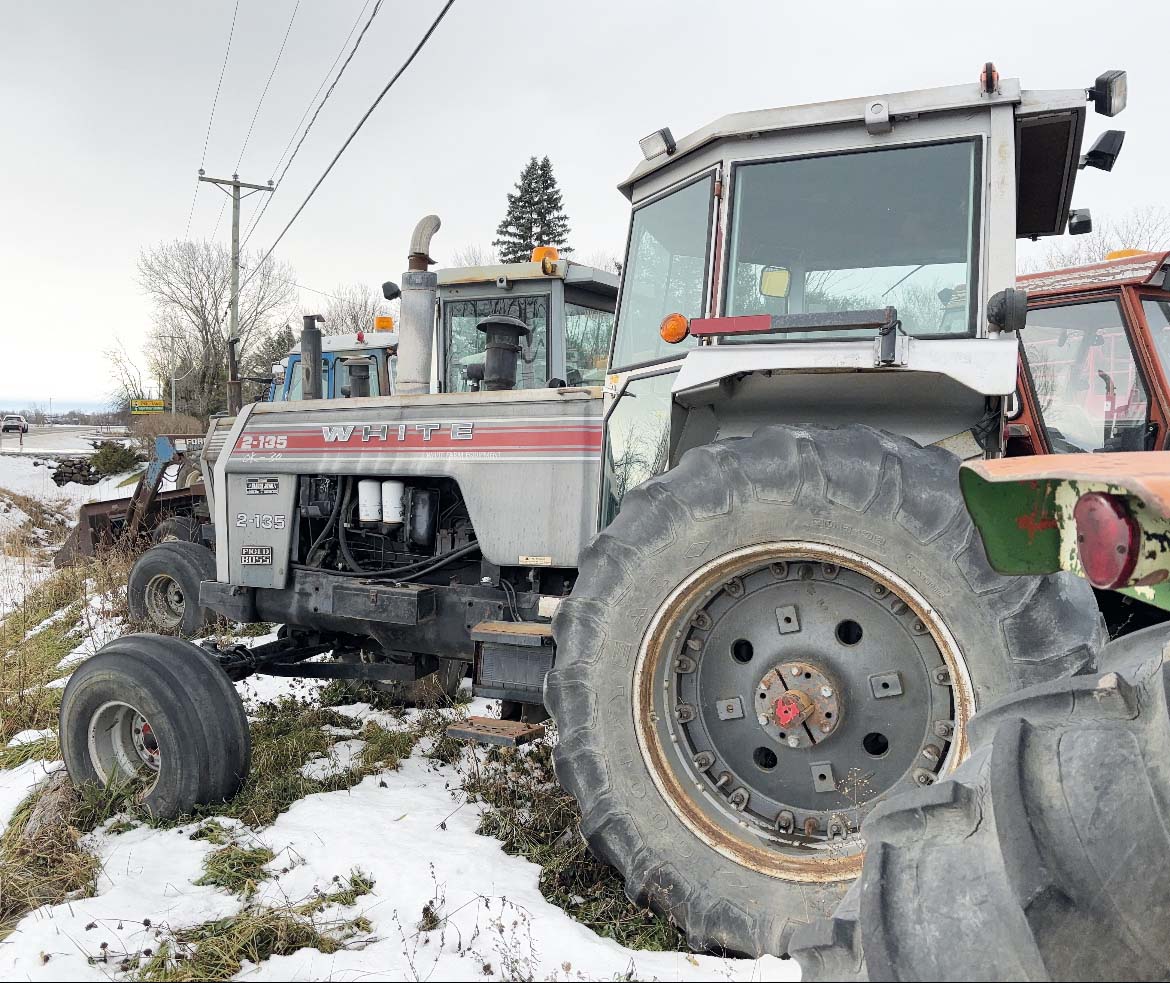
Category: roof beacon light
[1107,539]
[657,143]
[1109,92]
[547,257]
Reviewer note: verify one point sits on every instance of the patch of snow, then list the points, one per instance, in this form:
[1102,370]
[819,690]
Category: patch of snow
[146,874]
[31,736]
[340,757]
[15,785]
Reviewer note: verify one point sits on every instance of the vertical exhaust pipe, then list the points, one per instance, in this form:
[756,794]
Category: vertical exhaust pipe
[416,323]
[311,356]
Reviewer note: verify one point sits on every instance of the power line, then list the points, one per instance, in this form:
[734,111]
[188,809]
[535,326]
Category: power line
[211,117]
[268,83]
[357,44]
[348,140]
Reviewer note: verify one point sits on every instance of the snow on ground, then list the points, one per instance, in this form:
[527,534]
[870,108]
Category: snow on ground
[406,831]
[409,830]
[33,476]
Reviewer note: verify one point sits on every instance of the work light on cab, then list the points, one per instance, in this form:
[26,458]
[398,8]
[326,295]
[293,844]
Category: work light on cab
[1107,539]
[673,329]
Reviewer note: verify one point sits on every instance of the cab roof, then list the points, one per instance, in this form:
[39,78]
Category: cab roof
[349,342]
[574,274]
[1144,269]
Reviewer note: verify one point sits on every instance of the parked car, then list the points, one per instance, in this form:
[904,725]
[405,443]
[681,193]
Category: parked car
[14,421]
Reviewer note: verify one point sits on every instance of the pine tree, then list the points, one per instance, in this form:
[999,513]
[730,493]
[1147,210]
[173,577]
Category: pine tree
[535,216]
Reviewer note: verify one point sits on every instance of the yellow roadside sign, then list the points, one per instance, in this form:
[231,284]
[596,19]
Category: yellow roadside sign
[139,407]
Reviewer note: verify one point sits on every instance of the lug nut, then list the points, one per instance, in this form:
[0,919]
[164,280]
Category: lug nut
[826,691]
[796,670]
[763,719]
[826,727]
[793,742]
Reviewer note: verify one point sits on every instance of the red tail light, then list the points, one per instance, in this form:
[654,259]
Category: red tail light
[1107,539]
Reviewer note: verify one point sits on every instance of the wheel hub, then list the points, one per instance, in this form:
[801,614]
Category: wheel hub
[798,705]
[790,686]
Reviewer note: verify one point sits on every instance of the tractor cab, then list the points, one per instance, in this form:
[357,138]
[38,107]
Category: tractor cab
[568,308]
[1095,358]
[378,348]
[843,261]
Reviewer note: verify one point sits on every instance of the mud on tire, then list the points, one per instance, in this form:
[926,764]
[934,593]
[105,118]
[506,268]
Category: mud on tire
[1045,857]
[853,492]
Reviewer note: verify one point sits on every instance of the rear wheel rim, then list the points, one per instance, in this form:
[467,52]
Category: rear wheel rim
[123,743]
[880,689]
[165,601]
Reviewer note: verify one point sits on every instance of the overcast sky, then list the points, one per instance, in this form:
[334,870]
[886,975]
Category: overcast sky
[105,108]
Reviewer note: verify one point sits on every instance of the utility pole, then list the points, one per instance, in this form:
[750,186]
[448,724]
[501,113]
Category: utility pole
[235,396]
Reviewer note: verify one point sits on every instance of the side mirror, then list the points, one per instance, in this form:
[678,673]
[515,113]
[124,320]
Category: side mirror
[1105,151]
[1080,221]
[391,290]
[1008,309]
[775,281]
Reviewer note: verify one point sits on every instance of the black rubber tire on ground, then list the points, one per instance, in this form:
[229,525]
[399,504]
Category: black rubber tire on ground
[857,490]
[195,718]
[1045,857]
[163,591]
[176,528]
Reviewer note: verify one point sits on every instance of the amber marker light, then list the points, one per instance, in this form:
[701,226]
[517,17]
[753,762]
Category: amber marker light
[673,329]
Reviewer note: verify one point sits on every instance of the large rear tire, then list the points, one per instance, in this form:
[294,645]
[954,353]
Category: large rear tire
[161,711]
[840,560]
[163,592]
[1045,857]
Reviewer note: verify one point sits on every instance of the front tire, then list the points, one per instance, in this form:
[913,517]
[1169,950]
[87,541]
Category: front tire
[163,591]
[160,711]
[717,813]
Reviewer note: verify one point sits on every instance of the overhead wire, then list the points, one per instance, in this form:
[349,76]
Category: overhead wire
[263,206]
[348,140]
[211,117]
[259,105]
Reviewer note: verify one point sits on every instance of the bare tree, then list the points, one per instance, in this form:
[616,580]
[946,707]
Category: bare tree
[605,259]
[126,376]
[1142,227]
[353,307]
[189,284]
[474,254]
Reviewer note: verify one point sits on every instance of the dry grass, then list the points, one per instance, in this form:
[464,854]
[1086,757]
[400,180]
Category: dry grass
[236,868]
[538,820]
[217,950]
[57,615]
[42,857]
[46,523]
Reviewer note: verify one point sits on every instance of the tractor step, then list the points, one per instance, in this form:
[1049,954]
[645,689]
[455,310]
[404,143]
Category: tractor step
[492,730]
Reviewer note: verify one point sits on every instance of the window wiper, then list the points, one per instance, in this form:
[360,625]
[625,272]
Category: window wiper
[905,278]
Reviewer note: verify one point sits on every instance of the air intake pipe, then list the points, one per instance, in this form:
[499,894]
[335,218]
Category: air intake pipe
[416,323]
[501,350]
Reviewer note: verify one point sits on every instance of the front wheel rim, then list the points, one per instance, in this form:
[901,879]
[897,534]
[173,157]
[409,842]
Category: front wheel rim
[856,631]
[165,601]
[123,743]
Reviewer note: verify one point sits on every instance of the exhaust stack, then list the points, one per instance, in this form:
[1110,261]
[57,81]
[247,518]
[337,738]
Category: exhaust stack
[417,322]
[311,357]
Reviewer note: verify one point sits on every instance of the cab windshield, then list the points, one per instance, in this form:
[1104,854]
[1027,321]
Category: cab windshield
[466,344]
[857,231]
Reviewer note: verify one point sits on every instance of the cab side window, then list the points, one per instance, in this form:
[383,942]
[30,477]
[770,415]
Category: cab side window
[1089,388]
